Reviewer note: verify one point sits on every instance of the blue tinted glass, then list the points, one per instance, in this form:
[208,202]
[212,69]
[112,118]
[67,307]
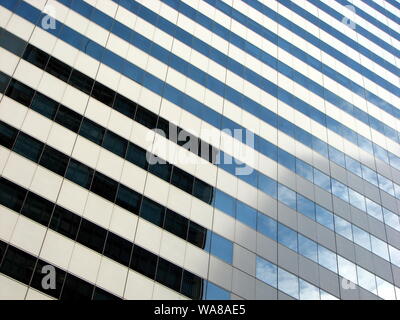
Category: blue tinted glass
[287,196]
[369,175]
[386,184]
[340,190]
[353,166]
[366,280]
[305,170]
[266,272]
[343,228]
[357,200]
[337,156]
[308,248]
[347,269]
[286,159]
[374,209]
[308,291]
[361,237]
[379,247]
[267,185]
[306,206]
[327,259]
[225,203]
[324,217]
[322,180]
[288,283]
[214,292]
[391,219]
[267,226]
[394,255]
[287,237]
[246,214]
[221,248]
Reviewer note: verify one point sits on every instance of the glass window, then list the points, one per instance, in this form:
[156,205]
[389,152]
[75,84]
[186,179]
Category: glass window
[336,156]
[308,248]
[366,280]
[353,166]
[379,247]
[246,214]
[385,289]
[54,160]
[161,170]
[18,265]
[267,185]
[202,191]
[394,256]
[20,92]
[11,42]
[169,274]
[357,200]
[125,106]
[287,196]
[306,206]
[221,248]
[36,56]
[182,180]
[58,69]
[391,219]
[37,209]
[92,236]
[287,237]
[146,117]
[322,180]
[286,159]
[115,144]
[144,262]
[4,80]
[266,272]
[137,156]
[267,226]
[103,94]
[362,238]
[225,203]
[386,184]
[374,209]
[288,283]
[76,289]
[104,186]
[214,292]
[326,296]
[192,285]
[176,224]
[7,135]
[11,195]
[92,131]
[68,118]
[197,235]
[369,175]
[324,217]
[102,295]
[305,170]
[80,174]
[343,228]
[308,291]
[340,190]
[65,222]
[118,249]
[327,259]
[28,147]
[44,105]
[81,81]
[152,211]
[347,269]
[128,199]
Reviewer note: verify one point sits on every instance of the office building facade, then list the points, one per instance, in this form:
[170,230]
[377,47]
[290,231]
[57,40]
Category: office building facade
[199,149]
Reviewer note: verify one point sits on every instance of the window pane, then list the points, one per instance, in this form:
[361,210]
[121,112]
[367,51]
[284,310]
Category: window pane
[379,247]
[308,291]
[246,214]
[386,184]
[369,175]
[68,118]
[357,200]
[146,117]
[92,131]
[176,224]
[18,265]
[152,211]
[20,92]
[11,42]
[343,228]
[347,269]
[58,69]
[225,203]
[221,248]
[267,226]
[361,237]
[192,285]
[385,289]
[394,256]
[161,170]
[38,277]
[308,248]
[353,166]
[366,280]
[305,170]
[54,160]
[137,156]
[7,135]
[28,147]
[144,262]
[340,190]
[128,199]
[37,209]
[102,295]
[169,274]
[44,105]
[80,174]
[288,283]
[336,156]
[324,217]
[287,237]
[115,144]
[197,235]
[125,106]
[36,56]
[92,236]
[65,222]
[81,81]
[214,292]
[11,195]
[266,272]
[182,180]
[322,180]
[76,289]
[306,207]
[118,249]
[202,191]
[374,209]
[267,185]
[327,259]
[287,196]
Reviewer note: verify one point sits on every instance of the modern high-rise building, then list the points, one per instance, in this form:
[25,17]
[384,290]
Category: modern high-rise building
[200,149]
